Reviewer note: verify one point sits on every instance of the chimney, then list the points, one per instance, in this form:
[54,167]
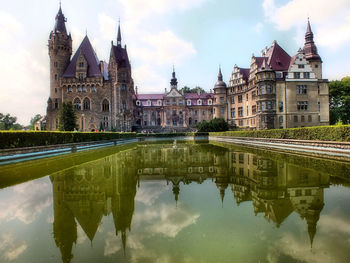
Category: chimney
[136,90]
[166,91]
[198,92]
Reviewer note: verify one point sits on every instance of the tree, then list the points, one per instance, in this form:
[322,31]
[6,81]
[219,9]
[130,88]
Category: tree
[67,117]
[8,122]
[34,120]
[194,90]
[215,125]
[339,99]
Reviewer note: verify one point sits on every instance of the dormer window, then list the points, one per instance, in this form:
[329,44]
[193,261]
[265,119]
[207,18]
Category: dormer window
[199,102]
[138,103]
[81,64]
[210,102]
[188,102]
[159,103]
[149,103]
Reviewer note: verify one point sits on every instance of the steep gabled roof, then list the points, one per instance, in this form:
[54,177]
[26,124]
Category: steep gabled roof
[88,52]
[278,59]
[245,72]
[121,56]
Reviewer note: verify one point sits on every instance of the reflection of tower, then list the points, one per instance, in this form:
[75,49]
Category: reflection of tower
[64,226]
[124,195]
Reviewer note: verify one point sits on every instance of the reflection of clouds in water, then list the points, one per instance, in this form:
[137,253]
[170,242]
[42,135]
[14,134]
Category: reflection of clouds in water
[113,244]
[328,246]
[150,192]
[26,201]
[335,223]
[81,235]
[10,248]
[172,220]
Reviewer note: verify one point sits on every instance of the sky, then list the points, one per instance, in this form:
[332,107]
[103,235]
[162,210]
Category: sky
[196,36]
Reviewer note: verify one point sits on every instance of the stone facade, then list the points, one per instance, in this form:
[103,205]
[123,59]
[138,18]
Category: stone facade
[102,93]
[277,91]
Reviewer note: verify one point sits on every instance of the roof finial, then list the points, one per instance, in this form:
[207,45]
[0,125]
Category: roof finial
[119,37]
[220,74]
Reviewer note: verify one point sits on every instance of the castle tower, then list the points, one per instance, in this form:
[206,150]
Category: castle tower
[173,82]
[220,103]
[310,51]
[119,70]
[60,51]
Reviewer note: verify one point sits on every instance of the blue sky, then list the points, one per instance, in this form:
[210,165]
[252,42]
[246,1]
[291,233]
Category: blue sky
[195,35]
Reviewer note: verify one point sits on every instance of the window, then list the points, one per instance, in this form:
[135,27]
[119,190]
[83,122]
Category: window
[56,103]
[149,103]
[210,102]
[93,88]
[233,100]
[55,76]
[84,88]
[167,102]
[70,88]
[316,65]
[180,101]
[301,89]
[105,122]
[310,118]
[302,105]
[319,106]
[195,112]
[297,75]
[168,112]
[79,88]
[318,89]
[253,94]
[86,104]
[253,109]
[138,103]
[55,64]
[247,96]
[174,101]
[55,90]
[281,119]
[269,105]
[295,118]
[123,87]
[247,111]
[105,105]
[240,111]
[233,112]
[203,112]
[239,98]
[262,90]
[77,104]
[262,106]
[80,76]
[301,66]
[302,118]
[188,102]
[240,122]
[222,110]
[306,75]
[174,112]
[81,64]
[280,106]
[159,103]
[199,102]
[268,89]
[222,100]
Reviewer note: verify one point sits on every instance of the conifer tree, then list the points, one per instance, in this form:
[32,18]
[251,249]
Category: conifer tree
[67,117]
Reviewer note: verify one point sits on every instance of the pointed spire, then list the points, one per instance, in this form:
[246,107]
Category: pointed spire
[60,22]
[220,74]
[119,36]
[124,241]
[173,81]
[310,48]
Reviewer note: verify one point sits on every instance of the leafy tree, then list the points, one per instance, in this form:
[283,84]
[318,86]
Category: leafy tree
[8,122]
[215,125]
[194,90]
[67,117]
[339,98]
[34,120]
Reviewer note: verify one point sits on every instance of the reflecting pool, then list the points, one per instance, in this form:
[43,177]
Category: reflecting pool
[183,202]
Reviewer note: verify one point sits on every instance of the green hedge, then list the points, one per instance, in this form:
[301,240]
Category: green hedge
[321,133]
[19,139]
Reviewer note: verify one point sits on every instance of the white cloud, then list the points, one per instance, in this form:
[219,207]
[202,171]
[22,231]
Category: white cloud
[27,202]
[108,26]
[258,27]
[10,247]
[331,19]
[150,192]
[112,244]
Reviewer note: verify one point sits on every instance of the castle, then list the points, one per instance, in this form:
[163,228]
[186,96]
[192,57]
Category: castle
[277,91]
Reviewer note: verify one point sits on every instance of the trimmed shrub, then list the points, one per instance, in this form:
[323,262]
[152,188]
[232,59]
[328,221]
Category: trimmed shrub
[321,133]
[19,139]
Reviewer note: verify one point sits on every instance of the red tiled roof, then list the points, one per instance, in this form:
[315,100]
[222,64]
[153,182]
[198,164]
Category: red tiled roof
[201,96]
[86,49]
[150,96]
[278,59]
[245,72]
[260,60]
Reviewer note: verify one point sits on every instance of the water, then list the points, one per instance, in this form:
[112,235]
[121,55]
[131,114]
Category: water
[196,202]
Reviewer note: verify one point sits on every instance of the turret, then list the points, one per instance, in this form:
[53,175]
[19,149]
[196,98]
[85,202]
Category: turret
[220,103]
[311,53]
[60,51]
[173,82]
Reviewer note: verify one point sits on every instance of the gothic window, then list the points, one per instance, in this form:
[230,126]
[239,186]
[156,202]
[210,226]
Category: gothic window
[81,76]
[93,88]
[56,103]
[86,104]
[123,105]
[70,89]
[105,105]
[79,88]
[123,88]
[84,88]
[295,118]
[269,105]
[77,104]
[105,122]
[280,106]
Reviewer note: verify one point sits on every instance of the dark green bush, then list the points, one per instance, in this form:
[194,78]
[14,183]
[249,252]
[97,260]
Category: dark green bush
[322,133]
[19,139]
[215,125]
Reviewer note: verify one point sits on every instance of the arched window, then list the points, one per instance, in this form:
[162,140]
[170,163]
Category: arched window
[105,105]
[77,104]
[199,102]
[210,102]
[86,104]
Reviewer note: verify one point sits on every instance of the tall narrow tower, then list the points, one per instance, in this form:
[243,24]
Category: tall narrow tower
[310,51]
[60,51]
[220,100]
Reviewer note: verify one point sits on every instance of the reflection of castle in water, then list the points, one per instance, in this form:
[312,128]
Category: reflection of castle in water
[90,191]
